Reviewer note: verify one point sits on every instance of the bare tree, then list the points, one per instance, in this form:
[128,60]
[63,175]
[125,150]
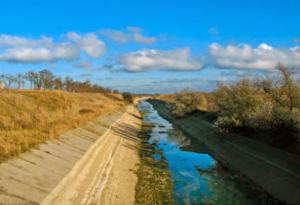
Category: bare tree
[30,76]
[46,78]
[58,83]
[287,93]
[19,79]
[69,83]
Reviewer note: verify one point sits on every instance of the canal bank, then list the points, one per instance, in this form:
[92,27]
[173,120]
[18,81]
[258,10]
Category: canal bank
[196,177]
[275,171]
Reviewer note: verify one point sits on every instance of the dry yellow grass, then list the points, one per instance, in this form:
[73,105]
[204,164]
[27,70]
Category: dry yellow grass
[28,118]
[207,104]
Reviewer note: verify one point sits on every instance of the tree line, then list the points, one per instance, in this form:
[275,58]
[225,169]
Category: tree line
[46,80]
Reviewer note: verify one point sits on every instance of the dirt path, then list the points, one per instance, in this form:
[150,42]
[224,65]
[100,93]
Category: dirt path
[105,174]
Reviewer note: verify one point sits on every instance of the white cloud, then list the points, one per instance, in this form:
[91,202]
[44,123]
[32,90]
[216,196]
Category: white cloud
[133,34]
[89,43]
[134,29]
[265,46]
[139,38]
[143,60]
[25,50]
[13,41]
[244,56]
[18,49]
[115,35]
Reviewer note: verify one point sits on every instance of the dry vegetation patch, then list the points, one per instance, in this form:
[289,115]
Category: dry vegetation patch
[28,118]
[154,179]
[185,103]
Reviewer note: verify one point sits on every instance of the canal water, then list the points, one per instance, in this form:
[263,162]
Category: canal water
[196,176]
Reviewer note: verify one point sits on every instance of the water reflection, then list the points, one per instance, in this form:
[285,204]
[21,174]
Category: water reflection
[194,175]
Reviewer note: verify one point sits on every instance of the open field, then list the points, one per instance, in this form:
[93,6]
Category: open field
[28,118]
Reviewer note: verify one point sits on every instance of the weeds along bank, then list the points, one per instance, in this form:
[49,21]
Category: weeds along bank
[154,179]
[267,111]
[28,118]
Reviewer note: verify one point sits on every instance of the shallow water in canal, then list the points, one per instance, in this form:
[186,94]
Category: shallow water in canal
[196,176]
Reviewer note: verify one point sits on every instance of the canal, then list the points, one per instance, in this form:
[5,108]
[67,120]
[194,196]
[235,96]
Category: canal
[197,177]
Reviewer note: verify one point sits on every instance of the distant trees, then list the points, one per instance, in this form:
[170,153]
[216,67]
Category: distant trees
[30,76]
[2,86]
[128,97]
[58,84]
[46,80]
[262,108]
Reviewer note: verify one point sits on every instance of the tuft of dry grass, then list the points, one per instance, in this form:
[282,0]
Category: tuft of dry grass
[28,118]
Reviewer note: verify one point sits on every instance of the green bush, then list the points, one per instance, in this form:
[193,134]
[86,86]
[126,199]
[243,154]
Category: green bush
[241,105]
[261,109]
[186,103]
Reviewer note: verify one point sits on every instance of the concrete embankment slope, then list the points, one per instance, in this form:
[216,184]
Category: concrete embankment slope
[94,164]
[276,171]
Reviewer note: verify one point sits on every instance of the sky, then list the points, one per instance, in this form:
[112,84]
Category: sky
[151,46]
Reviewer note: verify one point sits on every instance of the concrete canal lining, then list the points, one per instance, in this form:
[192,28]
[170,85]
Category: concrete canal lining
[33,176]
[276,171]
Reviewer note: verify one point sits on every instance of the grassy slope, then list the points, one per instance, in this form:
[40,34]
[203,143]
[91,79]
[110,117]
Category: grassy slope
[28,118]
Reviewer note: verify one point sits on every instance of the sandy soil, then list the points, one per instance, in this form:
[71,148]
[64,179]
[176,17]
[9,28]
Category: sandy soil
[106,172]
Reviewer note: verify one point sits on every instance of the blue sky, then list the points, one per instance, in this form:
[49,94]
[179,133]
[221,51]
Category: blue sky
[150,46]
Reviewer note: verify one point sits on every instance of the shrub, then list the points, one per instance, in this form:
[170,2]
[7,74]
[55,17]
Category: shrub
[187,102]
[261,109]
[240,105]
[127,97]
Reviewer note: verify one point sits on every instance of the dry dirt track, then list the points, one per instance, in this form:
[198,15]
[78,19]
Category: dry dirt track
[93,164]
[106,173]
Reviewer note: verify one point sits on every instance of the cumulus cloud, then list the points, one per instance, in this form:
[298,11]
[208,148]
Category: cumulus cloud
[89,43]
[115,35]
[139,38]
[244,56]
[13,41]
[36,55]
[132,34]
[134,29]
[149,59]
[18,49]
